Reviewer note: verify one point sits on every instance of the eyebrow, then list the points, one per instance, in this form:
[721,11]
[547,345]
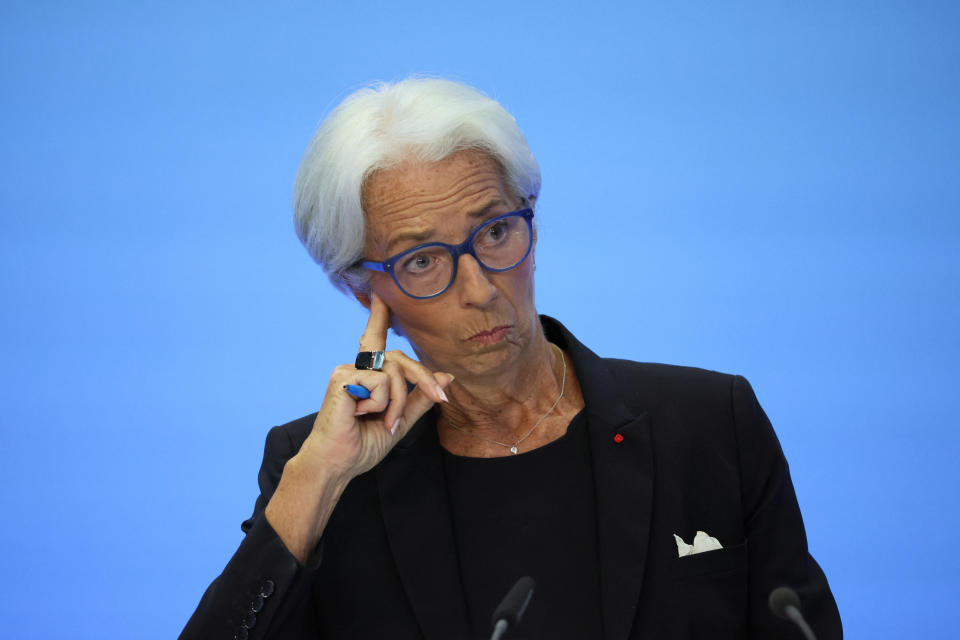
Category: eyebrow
[420,237]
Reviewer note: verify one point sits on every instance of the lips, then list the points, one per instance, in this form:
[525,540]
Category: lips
[491,336]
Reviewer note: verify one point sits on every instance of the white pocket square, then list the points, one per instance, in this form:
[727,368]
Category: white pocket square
[701,542]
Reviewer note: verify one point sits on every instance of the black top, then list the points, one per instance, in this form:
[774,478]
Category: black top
[532,514]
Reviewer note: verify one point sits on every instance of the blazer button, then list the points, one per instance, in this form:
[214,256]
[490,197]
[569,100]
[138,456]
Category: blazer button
[266,588]
[249,620]
[241,634]
[256,604]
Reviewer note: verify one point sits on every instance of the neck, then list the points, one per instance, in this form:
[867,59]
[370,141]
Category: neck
[505,409]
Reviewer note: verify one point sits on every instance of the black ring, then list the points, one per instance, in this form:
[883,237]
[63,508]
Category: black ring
[370,360]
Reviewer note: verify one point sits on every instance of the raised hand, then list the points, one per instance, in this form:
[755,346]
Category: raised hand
[356,434]
[351,436]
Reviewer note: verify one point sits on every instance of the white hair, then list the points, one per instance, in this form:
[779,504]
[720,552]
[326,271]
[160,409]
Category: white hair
[379,127]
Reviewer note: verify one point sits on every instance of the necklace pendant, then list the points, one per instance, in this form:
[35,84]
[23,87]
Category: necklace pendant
[513,450]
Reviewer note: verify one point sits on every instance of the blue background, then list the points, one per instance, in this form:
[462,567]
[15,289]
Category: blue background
[767,188]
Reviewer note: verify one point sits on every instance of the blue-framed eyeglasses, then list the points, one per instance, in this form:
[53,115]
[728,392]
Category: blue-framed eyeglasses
[426,271]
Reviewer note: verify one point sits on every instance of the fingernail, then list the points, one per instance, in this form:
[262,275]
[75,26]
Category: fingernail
[396,423]
[360,413]
[442,395]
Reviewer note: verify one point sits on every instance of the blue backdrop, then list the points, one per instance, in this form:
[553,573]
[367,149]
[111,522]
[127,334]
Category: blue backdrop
[766,188]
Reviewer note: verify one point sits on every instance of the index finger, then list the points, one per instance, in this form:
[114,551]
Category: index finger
[374,337]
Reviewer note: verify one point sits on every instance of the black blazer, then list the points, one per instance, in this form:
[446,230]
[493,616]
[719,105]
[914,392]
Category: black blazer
[696,453]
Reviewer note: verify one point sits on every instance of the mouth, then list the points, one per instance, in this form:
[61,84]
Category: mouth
[491,336]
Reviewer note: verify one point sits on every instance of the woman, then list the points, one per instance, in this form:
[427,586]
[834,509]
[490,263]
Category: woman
[508,449]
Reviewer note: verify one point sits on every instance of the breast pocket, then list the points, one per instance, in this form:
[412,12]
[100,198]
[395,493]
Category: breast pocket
[726,560]
[709,592]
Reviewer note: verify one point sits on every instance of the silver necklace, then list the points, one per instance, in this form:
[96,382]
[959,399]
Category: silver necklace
[513,447]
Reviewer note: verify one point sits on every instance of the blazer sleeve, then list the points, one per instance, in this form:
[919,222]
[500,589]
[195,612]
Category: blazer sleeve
[777,542]
[263,592]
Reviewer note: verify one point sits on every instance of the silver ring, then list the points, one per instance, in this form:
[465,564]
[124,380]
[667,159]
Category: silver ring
[370,360]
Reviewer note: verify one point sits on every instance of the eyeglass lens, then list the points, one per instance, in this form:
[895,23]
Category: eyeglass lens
[499,245]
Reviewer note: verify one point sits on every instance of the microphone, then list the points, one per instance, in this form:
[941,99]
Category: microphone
[511,609]
[785,604]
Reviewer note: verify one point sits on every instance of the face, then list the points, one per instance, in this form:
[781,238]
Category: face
[485,322]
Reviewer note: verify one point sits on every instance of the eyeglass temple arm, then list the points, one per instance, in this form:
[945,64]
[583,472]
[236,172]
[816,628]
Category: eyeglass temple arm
[376,266]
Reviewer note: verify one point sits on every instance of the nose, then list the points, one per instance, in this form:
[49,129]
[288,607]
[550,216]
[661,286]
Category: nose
[473,286]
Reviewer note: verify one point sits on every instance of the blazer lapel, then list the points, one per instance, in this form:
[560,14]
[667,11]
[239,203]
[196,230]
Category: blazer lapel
[623,474]
[623,471]
[416,512]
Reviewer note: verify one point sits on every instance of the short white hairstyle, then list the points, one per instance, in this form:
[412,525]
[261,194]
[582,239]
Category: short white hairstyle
[379,127]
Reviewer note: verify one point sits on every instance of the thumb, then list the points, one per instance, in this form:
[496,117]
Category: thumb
[418,403]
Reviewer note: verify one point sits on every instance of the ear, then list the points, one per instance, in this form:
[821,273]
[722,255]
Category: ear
[531,202]
[363,297]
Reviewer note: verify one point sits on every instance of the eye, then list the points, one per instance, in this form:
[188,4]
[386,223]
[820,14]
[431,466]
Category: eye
[418,263]
[495,232]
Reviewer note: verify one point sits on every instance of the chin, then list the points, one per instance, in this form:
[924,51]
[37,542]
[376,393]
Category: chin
[490,362]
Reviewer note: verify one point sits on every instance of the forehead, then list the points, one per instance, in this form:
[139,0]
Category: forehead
[417,197]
